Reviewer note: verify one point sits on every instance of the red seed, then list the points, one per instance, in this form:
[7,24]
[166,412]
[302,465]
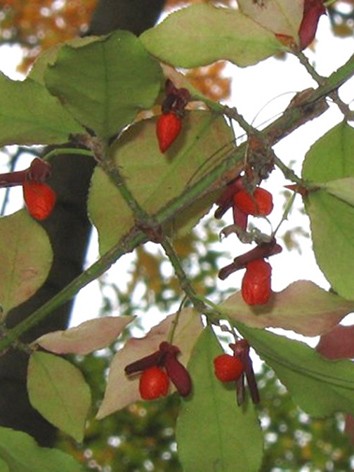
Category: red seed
[256,283]
[258,204]
[228,368]
[153,383]
[168,127]
[39,198]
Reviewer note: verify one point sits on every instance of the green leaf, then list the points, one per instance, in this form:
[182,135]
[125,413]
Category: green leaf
[331,157]
[20,453]
[156,179]
[3,466]
[25,258]
[302,307]
[30,115]
[202,34]
[50,55]
[106,82]
[59,392]
[213,433]
[320,386]
[332,219]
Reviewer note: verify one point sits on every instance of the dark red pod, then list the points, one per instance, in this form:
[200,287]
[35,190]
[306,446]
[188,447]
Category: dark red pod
[144,363]
[313,9]
[225,200]
[178,374]
[39,170]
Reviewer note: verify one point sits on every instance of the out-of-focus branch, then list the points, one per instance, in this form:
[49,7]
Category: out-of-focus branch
[133,15]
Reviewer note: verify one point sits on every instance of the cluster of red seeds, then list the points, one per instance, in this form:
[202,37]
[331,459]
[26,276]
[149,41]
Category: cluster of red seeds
[157,370]
[169,124]
[256,283]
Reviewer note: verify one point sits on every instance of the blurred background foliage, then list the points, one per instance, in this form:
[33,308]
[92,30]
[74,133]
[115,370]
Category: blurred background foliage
[141,437]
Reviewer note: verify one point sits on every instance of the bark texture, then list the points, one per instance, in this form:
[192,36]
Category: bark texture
[69,232]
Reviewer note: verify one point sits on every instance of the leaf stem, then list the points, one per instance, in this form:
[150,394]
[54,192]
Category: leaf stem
[72,151]
[181,275]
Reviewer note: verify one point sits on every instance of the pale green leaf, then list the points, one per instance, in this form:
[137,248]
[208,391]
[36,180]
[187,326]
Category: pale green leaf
[59,392]
[122,390]
[156,179]
[332,219]
[89,336]
[340,188]
[320,386]
[20,453]
[213,433]
[49,56]
[202,34]
[30,115]
[278,16]
[302,307]
[106,82]
[331,157]
[25,258]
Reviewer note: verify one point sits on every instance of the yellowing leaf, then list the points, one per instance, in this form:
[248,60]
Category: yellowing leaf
[59,392]
[89,336]
[202,34]
[122,390]
[278,16]
[25,258]
[302,307]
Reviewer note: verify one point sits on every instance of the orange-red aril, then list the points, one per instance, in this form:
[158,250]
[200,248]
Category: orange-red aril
[168,127]
[39,198]
[153,383]
[256,283]
[258,204]
[228,368]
